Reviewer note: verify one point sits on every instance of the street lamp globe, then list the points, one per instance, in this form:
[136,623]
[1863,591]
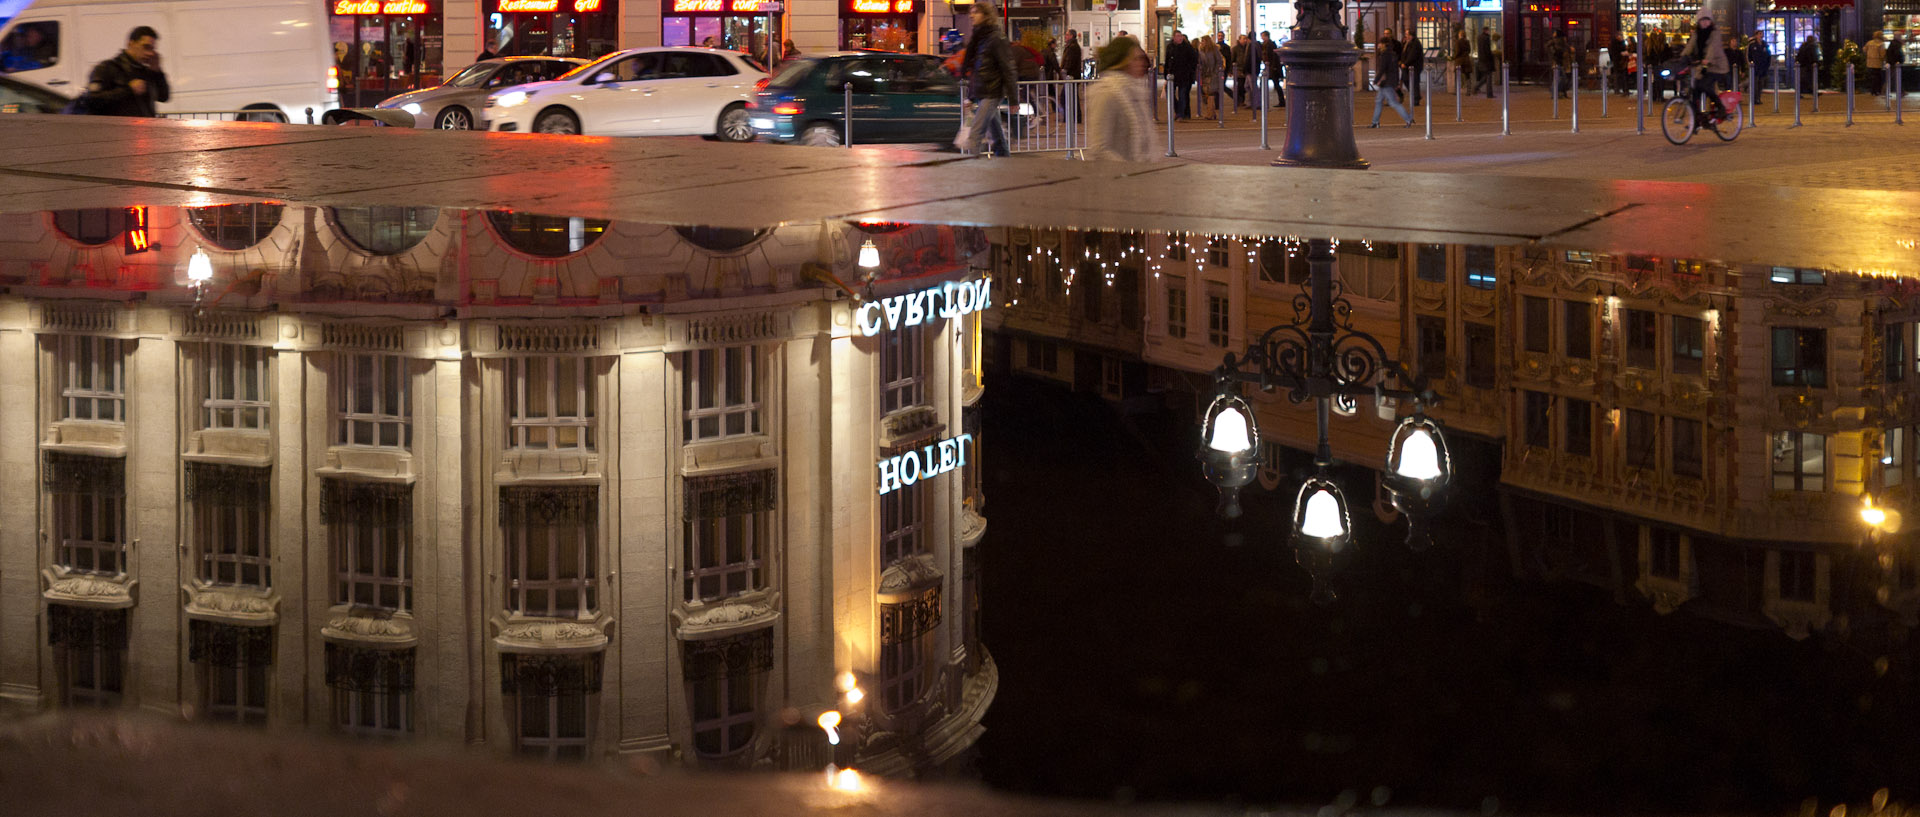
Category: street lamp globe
[869,255]
[1321,530]
[199,267]
[1229,449]
[1418,470]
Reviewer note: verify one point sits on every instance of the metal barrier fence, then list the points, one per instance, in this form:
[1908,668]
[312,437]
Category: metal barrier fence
[255,115]
[1046,116]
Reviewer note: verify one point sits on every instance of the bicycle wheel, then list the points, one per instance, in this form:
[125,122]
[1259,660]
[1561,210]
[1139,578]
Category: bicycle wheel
[1676,121]
[1730,127]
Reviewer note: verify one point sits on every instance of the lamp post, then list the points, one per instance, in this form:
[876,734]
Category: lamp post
[1319,60]
[1319,356]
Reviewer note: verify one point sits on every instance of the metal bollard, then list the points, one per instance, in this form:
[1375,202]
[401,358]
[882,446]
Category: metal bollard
[1427,100]
[1153,86]
[1265,105]
[1459,80]
[1849,95]
[1574,101]
[1899,94]
[1774,74]
[1220,104]
[1170,152]
[1753,98]
[1605,90]
[1555,91]
[847,114]
[1815,79]
[1506,110]
[1796,95]
[1640,98]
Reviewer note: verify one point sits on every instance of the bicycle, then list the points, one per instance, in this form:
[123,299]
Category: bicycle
[1683,114]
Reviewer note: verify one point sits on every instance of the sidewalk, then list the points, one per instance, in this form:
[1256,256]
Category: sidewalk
[1873,154]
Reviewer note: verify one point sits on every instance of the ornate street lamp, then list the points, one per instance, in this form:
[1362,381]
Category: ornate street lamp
[1319,356]
[1319,61]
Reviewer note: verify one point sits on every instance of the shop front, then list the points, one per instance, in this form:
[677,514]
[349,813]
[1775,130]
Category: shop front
[1433,21]
[552,28]
[1788,23]
[1675,17]
[736,25]
[384,47]
[1482,14]
[888,25]
[1535,26]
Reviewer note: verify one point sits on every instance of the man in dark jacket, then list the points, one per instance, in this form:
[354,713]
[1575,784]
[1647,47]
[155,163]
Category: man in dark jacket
[1483,63]
[1560,54]
[1758,58]
[1808,59]
[987,65]
[1413,60]
[1183,66]
[1269,54]
[1242,69]
[1071,58]
[131,83]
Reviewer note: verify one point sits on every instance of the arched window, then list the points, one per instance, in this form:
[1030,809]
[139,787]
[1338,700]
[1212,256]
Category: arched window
[385,230]
[720,239]
[92,227]
[235,226]
[546,236]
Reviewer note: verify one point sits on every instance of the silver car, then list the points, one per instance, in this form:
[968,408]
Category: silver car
[456,104]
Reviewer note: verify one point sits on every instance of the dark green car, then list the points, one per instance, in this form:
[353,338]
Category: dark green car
[896,98]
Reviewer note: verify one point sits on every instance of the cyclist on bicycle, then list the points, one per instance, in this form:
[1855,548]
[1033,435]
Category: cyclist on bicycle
[1707,54]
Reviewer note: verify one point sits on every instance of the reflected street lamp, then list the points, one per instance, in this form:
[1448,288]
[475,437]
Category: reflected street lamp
[1319,356]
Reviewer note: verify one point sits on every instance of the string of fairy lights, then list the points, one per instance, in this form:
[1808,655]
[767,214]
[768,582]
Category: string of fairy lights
[1179,248]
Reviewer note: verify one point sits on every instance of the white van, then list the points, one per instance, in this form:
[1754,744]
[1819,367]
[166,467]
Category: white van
[219,55]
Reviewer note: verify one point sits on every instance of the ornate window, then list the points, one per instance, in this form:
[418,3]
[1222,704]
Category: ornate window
[235,226]
[1577,435]
[1536,419]
[907,634]
[90,651]
[1577,329]
[1481,363]
[385,230]
[903,369]
[1894,351]
[1686,447]
[370,537]
[1176,307]
[234,665]
[1430,263]
[1042,355]
[1217,317]
[92,227]
[1689,345]
[723,679]
[1799,461]
[1176,246]
[1663,554]
[93,384]
[1641,338]
[720,392]
[1481,272]
[1798,576]
[1090,291]
[550,403]
[375,401]
[546,236]
[1217,251]
[1893,457]
[89,511]
[1799,357]
[728,533]
[236,387]
[551,545]
[549,696]
[1539,333]
[1642,439]
[1431,346]
[372,690]
[229,511]
[1796,275]
[1283,263]
[902,523]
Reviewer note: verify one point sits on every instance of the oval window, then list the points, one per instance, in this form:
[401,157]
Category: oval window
[720,239]
[546,236]
[94,226]
[235,226]
[385,230]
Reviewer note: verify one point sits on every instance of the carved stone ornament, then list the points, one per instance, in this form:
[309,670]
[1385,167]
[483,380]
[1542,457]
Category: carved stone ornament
[710,620]
[725,495]
[1798,619]
[377,503]
[227,485]
[749,653]
[361,669]
[546,675]
[88,589]
[383,631]
[900,581]
[547,504]
[236,605]
[82,628]
[972,526]
[64,473]
[1667,594]
[902,622]
[904,427]
[229,645]
[546,634]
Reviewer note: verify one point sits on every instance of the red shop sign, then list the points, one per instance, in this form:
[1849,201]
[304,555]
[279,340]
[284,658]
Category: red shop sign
[880,6]
[347,7]
[541,6]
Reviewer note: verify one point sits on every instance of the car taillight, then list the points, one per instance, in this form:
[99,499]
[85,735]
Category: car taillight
[762,84]
[333,78]
[788,108]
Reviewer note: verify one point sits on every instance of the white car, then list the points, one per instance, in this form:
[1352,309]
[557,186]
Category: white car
[637,92]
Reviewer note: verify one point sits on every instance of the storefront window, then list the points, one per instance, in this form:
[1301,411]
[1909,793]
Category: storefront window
[736,25]
[890,25]
[384,47]
[587,29]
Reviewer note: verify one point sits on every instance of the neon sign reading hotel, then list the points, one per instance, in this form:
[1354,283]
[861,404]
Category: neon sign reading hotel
[906,469]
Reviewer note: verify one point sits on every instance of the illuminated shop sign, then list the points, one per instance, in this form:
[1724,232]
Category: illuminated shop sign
[138,239]
[1483,6]
[928,462]
[914,308]
[537,6]
[345,7]
[720,6]
[880,6]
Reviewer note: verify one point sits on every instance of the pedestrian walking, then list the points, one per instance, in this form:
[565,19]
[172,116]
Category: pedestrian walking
[1182,67]
[1561,55]
[1212,65]
[1617,63]
[1413,62]
[1485,63]
[1243,69]
[1896,57]
[1876,56]
[1386,78]
[1119,114]
[1808,62]
[1759,59]
[1071,57]
[1462,61]
[986,64]
[1276,73]
[1659,51]
[131,83]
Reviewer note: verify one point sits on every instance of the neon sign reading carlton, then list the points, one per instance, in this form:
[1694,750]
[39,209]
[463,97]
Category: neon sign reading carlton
[913,308]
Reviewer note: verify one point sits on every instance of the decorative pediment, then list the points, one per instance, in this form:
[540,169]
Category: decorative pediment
[87,589]
[550,635]
[722,618]
[236,605]
[903,579]
[375,630]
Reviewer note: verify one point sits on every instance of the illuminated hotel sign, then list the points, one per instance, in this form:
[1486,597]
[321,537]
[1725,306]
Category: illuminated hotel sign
[546,5]
[914,308]
[880,6]
[345,7]
[930,461]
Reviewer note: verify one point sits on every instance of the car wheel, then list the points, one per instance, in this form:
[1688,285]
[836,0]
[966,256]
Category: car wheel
[454,118]
[556,121]
[734,126]
[261,113]
[821,134]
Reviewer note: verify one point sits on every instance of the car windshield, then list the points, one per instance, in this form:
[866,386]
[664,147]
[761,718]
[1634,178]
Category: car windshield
[474,75]
[792,73]
[592,66]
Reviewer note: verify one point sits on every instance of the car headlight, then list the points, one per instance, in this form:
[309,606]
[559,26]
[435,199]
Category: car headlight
[411,108]
[511,99]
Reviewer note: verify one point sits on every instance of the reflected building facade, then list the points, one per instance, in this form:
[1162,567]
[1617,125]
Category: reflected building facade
[565,487]
[1686,434]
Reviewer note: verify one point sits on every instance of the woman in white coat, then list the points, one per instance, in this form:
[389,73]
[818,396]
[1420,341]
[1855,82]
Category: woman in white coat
[1119,116]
